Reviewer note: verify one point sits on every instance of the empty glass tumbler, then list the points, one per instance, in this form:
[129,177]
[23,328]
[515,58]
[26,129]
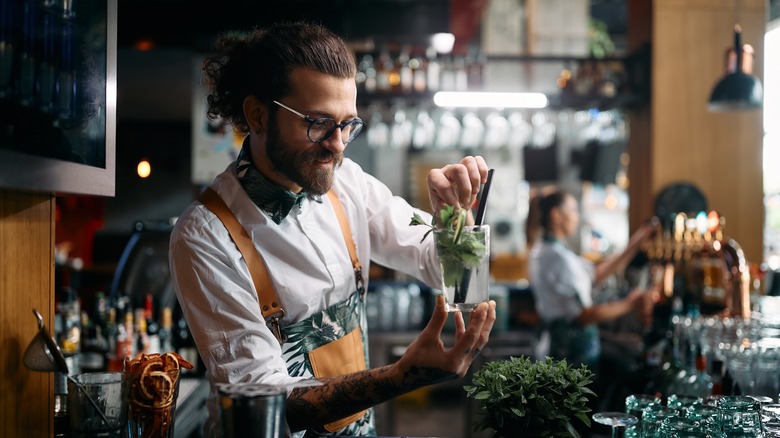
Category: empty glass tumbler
[680,427]
[706,415]
[635,405]
[770,420]
[682,402]
[739,416]
[98,404]
[652,417]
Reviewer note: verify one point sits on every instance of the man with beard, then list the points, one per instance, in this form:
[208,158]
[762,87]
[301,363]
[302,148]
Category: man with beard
[267,263]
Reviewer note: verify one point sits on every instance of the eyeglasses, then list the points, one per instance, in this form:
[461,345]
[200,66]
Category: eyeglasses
[322,128]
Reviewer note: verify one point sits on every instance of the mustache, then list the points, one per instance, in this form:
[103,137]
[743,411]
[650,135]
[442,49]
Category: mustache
[321,155]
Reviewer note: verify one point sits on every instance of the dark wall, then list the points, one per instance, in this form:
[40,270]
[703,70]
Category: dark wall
[167,191]
[154,104]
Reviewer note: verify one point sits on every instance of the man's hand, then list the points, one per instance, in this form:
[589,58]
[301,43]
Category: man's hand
[427,360]
[457,184]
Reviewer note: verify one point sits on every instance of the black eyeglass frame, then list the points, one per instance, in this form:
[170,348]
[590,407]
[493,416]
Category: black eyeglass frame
[357,129]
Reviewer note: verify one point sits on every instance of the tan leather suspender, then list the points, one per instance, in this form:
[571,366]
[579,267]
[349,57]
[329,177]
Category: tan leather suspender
[266,294]
[347,233]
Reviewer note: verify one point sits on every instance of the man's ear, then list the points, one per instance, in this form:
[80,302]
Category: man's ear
[256,115]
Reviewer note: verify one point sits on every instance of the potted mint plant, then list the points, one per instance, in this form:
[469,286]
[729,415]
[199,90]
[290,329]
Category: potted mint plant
[523,397]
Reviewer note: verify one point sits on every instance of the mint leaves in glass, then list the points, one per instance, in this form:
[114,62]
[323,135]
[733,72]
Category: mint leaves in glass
[464,257]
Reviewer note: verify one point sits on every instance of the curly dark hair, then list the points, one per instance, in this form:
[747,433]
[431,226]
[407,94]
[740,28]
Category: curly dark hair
[259,64]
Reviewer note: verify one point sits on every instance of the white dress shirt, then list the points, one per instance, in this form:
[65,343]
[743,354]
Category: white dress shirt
[307,260]
[561,282]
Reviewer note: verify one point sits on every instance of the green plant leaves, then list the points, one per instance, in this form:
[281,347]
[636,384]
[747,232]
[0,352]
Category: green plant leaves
[538,398]
[457,251]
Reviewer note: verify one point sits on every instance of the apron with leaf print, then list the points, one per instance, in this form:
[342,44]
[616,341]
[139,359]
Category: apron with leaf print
[343,323]
[330,343]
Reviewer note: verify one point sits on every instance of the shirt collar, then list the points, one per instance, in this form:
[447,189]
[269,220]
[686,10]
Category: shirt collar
[271,198]
[549,238]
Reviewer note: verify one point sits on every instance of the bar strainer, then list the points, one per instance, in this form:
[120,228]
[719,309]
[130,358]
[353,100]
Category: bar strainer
[43,354]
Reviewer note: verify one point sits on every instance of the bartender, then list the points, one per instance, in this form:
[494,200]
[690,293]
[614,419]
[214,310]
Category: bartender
[562,284]
[269,264]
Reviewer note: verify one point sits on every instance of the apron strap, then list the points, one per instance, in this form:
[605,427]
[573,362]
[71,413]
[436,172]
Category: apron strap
[266,294]
[346,231]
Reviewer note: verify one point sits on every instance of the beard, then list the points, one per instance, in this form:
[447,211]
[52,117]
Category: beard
[297,165]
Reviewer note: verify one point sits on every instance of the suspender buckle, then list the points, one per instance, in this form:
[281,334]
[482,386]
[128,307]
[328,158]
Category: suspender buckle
[276,328]
[359,282]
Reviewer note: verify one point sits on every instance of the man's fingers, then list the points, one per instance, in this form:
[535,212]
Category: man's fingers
[472,172]
[468,340]
[488,325]
[460,326]
[439,317]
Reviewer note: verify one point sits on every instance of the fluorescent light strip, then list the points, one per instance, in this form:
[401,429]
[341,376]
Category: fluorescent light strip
[456,99]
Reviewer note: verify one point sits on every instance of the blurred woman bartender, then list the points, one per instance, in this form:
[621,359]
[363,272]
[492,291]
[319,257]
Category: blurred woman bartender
[562,284]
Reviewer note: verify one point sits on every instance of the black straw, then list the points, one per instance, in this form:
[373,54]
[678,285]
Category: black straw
[483,199]
[463,290]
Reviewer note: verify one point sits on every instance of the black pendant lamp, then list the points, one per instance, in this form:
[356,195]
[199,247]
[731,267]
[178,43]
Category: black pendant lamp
[739,89]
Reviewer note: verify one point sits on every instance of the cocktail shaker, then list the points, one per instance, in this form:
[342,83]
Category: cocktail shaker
[252,410]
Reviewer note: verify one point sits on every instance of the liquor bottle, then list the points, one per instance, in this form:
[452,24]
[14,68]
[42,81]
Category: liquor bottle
[70,314]
[152,329]
[433,79]
[460,74]
[384,69]
[166,330]
[419,66]
[101,311]
[673,369]
[406,74]
[717,377]
[94,346]
[700,383]
[447,81]
[729,386]
[111,335]
[475,65]
[370,72]
[61,416]
[141,338]
[366,61]
[124,342]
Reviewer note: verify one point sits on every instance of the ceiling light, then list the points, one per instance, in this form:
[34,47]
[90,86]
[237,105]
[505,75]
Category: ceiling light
[443,42]
[470,99]
[739,89]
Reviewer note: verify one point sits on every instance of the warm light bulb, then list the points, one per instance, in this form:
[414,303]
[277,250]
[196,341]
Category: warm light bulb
[144,169]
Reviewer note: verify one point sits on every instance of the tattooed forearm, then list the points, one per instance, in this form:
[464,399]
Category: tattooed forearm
[339,397]
[417,377]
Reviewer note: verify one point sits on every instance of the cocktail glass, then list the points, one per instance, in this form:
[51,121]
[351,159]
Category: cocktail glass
[464,259]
